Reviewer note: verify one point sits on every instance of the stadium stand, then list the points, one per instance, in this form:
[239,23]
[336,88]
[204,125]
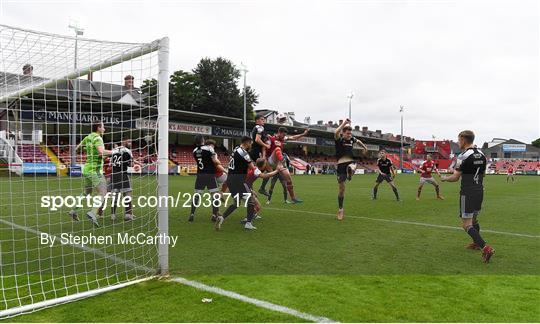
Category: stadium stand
[32,153]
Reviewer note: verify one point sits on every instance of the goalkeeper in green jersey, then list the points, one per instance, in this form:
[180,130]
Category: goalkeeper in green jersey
[93,170]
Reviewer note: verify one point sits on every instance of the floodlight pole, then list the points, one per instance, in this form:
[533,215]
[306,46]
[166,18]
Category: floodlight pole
[73,138]
[244,69]
[401,111]
[350,96]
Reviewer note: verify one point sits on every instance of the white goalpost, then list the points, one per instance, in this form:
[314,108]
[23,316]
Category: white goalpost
[54,90]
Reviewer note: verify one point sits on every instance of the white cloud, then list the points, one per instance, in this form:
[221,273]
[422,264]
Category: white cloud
[453,64]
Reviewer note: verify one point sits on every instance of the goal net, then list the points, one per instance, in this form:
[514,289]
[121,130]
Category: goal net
[54,92]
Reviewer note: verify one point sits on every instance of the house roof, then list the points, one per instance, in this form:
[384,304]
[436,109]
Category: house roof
[89,90]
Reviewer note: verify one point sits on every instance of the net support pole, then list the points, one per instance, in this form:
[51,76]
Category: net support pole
[163,151]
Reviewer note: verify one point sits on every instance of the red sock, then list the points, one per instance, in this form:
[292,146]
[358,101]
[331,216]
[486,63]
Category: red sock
[279,154]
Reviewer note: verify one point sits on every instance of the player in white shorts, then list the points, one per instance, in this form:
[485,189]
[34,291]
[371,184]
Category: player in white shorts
[426,176]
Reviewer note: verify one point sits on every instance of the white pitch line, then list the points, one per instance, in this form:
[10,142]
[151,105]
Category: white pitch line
[403,222]
[253,301]
[187,282]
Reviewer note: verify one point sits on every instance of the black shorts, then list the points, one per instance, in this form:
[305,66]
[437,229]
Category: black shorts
[237,184]
[206,181]
[384,177]
[254,154]
[341,171]
[470,204]
[120,183]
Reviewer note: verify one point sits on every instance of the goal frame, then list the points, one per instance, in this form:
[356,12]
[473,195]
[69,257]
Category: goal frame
[162,47]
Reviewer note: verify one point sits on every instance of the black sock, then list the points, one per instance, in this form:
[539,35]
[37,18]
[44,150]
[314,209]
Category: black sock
[476,226]
[114,202]
[395,192]
[437,191]
[250,211]
[263,185]
[475,235]
[229,210]
[340,201]
[419,192]
[215,210]
[194,202]
[375,192]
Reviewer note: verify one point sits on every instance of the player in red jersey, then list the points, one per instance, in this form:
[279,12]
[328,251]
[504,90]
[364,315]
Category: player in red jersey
[426,169]
[253,175]
[275,159]
[510,173]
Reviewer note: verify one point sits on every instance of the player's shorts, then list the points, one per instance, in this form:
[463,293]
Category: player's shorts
[120,183]
[384,177]
[272,161]
[94,180]
[470,204]
[429,180]
[221,179]
[255,153]
[206,181]
[341,171]
[236,184]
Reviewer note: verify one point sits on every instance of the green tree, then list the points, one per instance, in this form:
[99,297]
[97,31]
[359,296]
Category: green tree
[536,142]
[211,88]
[184,90]
[149,91]
[219,93]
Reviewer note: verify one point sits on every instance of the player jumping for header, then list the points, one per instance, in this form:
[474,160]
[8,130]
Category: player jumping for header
[276,158]
[471,167]
[93,170]
[426,169]
[346,166]
[386,172]
[207,163]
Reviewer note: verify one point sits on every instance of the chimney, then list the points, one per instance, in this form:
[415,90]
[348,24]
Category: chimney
[28,70]
[364,129]
[330,123]
[340,121]
[128,82]
[90,76]
[320,122]
[357,128]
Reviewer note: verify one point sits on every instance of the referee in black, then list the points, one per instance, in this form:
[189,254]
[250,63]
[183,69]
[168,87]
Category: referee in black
[471,167]
[346,162]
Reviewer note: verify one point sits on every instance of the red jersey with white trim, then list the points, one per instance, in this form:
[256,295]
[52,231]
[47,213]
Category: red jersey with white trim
[510,170]
[219,173]
[251,176]
[428,167]
[274,143]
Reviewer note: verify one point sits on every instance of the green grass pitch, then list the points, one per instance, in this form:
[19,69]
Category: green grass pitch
[387,261]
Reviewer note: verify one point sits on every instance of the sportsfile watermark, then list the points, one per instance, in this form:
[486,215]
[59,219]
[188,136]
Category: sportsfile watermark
[185,200]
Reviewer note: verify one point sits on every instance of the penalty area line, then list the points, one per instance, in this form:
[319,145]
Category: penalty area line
[183,281]
[395,221]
